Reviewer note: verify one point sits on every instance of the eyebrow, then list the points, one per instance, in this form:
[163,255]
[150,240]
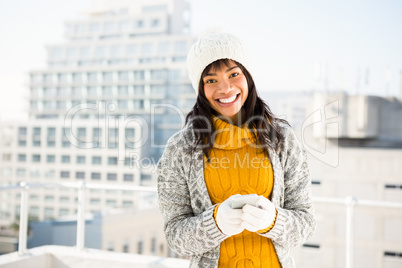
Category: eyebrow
[228,70]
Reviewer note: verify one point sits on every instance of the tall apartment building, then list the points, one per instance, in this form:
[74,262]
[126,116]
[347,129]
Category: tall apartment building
[102,109]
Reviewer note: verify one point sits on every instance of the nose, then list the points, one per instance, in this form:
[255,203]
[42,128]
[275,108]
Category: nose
[225,86]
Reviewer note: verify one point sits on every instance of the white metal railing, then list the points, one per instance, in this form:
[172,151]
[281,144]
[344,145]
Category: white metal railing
[350,203]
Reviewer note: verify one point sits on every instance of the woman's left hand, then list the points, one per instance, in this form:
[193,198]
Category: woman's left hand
[259,217]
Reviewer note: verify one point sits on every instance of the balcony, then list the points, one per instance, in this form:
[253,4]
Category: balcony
[79,257]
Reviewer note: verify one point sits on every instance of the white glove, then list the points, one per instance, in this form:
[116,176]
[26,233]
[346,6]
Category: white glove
[258,217]
[229,219]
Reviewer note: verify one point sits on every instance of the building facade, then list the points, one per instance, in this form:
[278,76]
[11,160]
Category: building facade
[102,110]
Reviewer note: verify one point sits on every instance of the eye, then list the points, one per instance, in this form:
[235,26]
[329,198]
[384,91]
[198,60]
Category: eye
[210,81]
[234,74]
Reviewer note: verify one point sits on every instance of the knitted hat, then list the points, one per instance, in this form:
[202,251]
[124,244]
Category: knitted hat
[211,47]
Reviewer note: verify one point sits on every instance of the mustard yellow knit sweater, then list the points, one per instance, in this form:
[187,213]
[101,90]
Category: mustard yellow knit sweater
[237,167]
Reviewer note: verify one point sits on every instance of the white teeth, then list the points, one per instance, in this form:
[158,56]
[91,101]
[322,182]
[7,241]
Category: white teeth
[228,99]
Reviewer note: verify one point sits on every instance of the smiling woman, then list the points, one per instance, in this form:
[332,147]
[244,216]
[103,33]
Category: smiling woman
[233,149]
[225,87]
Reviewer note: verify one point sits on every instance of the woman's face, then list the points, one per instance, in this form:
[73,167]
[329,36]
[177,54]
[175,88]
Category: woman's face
[226,90]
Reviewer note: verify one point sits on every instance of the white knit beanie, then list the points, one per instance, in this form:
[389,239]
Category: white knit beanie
[211,47]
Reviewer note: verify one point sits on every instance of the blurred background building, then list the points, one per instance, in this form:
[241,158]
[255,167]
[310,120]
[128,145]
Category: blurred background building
[117,89]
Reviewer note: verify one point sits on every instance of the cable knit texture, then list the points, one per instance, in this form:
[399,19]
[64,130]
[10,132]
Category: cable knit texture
[187,209]
[235,166]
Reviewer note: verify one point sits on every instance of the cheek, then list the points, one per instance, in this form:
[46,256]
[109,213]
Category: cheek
[208,93]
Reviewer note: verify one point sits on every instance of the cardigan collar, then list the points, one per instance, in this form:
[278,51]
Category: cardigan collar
[230,137]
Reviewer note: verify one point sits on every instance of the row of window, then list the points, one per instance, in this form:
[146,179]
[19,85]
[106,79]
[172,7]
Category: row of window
[133,61]
[50,213]
[97,91]
[78,137]
[92,77]
[79,132]
[67,199]
[80,175]
[123,25]
[137,104]
[140,247]
[66,159]
[118,51]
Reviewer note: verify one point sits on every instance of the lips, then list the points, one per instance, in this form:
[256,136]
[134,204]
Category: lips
[228,100]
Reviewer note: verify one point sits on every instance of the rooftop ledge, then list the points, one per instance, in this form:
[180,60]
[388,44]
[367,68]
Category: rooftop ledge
[66,257]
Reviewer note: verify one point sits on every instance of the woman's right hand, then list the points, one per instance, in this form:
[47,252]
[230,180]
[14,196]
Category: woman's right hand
[229,219]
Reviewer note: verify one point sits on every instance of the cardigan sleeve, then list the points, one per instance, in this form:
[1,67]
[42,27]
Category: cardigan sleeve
[186,233]
[295,221]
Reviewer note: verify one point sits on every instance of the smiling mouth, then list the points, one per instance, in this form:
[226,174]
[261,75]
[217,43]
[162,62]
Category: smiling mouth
[228,100]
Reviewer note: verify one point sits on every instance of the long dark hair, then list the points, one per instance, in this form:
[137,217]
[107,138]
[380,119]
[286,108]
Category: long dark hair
[258,115]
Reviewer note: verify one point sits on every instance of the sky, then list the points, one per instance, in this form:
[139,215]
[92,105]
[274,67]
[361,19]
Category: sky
[349,45]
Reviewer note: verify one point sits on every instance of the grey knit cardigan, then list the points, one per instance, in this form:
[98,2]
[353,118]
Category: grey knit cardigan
[187,211]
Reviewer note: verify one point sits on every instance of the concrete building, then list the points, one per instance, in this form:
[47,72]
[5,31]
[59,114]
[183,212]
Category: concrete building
[354,148]
[135,231]
[102,110]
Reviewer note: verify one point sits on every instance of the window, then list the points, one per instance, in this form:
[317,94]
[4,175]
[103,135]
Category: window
[92,77]
[94,201]
[127,203]
[49,198]
[163,48]
[140,246]
[80,159]
[107,91]
[22,131]
[50,174]
[138,104]
[123,76]
[36,158]
[95,176]
[124,25]
[65,159]
[21,172]
[22,157]
[115,51]
[77,77]
[49,213]
[64,211]
[131,50]
[139,75]
[50,158]
[127,161]
[81,133]
[126,247]
[139,90]
[33,197]
[34,211]
[109,26]
[107,76]
[94,27]
[80,175]
[122,104]
[72,53]
[146,48]
[64,174]
[35,173]
[180,47]
[62,78]
[92,91]
[138,24]
[155,23]
[128,177]
[123,90]
[96,160]
[111,202]
[111,176]
[64,199]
